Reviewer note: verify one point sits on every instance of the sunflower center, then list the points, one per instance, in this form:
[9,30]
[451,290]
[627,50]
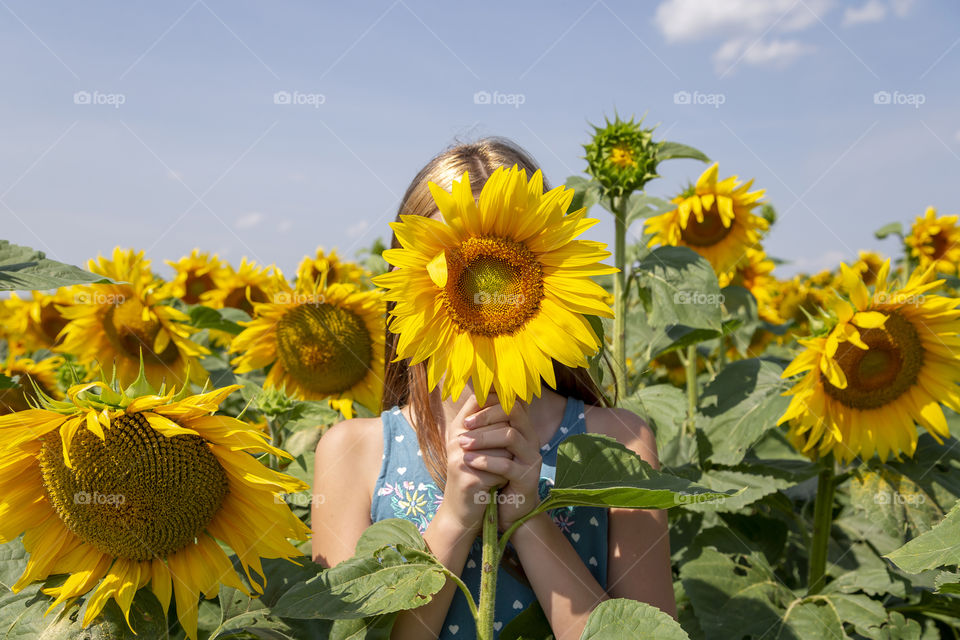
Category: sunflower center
[622,157]
[131,331]
[706,233]
[494,285]
[196,285]
[136,494]
[880,374]
[237,299]
[51,322]
[326,348]
[941,244]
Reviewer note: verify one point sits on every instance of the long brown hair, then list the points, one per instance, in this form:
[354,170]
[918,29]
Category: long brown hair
[404,384]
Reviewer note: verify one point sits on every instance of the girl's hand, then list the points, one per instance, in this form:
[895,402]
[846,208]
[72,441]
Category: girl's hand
[467,486]
[492,432]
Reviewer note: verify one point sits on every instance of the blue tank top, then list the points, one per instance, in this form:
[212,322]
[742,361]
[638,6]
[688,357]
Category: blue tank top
[406,490]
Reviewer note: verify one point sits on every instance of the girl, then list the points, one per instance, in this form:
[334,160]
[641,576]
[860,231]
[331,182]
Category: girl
[432,462]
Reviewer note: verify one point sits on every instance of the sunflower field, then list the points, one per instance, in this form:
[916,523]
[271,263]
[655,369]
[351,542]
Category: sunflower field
[159,421]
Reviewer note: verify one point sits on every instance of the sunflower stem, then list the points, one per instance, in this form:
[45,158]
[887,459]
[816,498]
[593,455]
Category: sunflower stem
[619,210]
[692,391]
[489,565]
[822,524]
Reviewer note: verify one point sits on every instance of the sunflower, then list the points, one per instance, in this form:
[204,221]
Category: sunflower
[622,156]
[35,323]
[755,275]
[497,289]
[714,219]
[30,372]
[935,241]
[330,265]
[868,266]
[119,489]
[114,324]
[888,363]
[242,288]
[320,341]
[194,276]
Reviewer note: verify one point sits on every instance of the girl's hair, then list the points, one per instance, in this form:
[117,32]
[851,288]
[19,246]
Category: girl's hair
[408,384]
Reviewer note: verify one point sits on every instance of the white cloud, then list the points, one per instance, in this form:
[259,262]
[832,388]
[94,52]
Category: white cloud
[826,260]
[776,52]
[249,220]
[356,230]
[872,11]
[902,7]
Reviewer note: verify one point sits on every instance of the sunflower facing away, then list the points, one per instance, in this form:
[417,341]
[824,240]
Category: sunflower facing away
[120,489]
[714,219]
[935,240]
[497,289]
[331,266]
[320,341]
[889,363]
[113,325]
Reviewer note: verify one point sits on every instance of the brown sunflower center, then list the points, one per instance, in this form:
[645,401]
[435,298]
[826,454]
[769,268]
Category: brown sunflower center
[494,285]
[132,328]
[237,299]
[51,322]
[706,233]
[326,348]
[195,285]
[622,157]
[136,494]
[880,374]
[940,243]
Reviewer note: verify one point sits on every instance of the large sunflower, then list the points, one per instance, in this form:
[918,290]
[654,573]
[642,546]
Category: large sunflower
[114,324]
[320,341]
[330,265]
[497,289]
[714,219]
[888,363]
[935,240]
[120,489]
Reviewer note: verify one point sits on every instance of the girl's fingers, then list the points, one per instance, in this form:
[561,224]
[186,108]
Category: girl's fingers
[486,416]
[500,435]
[505,467]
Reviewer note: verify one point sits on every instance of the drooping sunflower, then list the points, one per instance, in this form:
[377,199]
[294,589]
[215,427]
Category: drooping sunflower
[888,364]
[332,267]
[35,323]
[113,325]
[193,276]
[714,219]
[242,288]
[321,341]
[120,489]
[498,288]
[755,274]
[43,373]
[935,240]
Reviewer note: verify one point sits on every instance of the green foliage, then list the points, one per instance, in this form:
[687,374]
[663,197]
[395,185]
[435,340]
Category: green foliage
[620,618]
[25,269]
[938,547]
[677,286]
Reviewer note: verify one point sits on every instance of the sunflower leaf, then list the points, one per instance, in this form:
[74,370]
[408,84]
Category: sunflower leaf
[598,471]
[938,547]
[586,193]
[623,618]
[640,205]
[673,150]
[529,624]
[26,269]
[888,229]
[396,579]
[203,317]
[677,286]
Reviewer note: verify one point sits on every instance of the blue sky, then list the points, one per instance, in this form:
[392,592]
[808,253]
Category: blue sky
[155,125]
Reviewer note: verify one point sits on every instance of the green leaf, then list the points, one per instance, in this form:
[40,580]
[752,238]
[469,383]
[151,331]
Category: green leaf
[598,471]
[739,406]
[147,617]
[13,561]
[640,205]
[395,579]
[218,319]
[938,547]
[529,624]
[671,150]
[586,193]
[26,269]
[622,619]
[893,501]
[887,229]
[677,286]
[663,406]
[748,488]
[389,532]
[739,304]
[948,582]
